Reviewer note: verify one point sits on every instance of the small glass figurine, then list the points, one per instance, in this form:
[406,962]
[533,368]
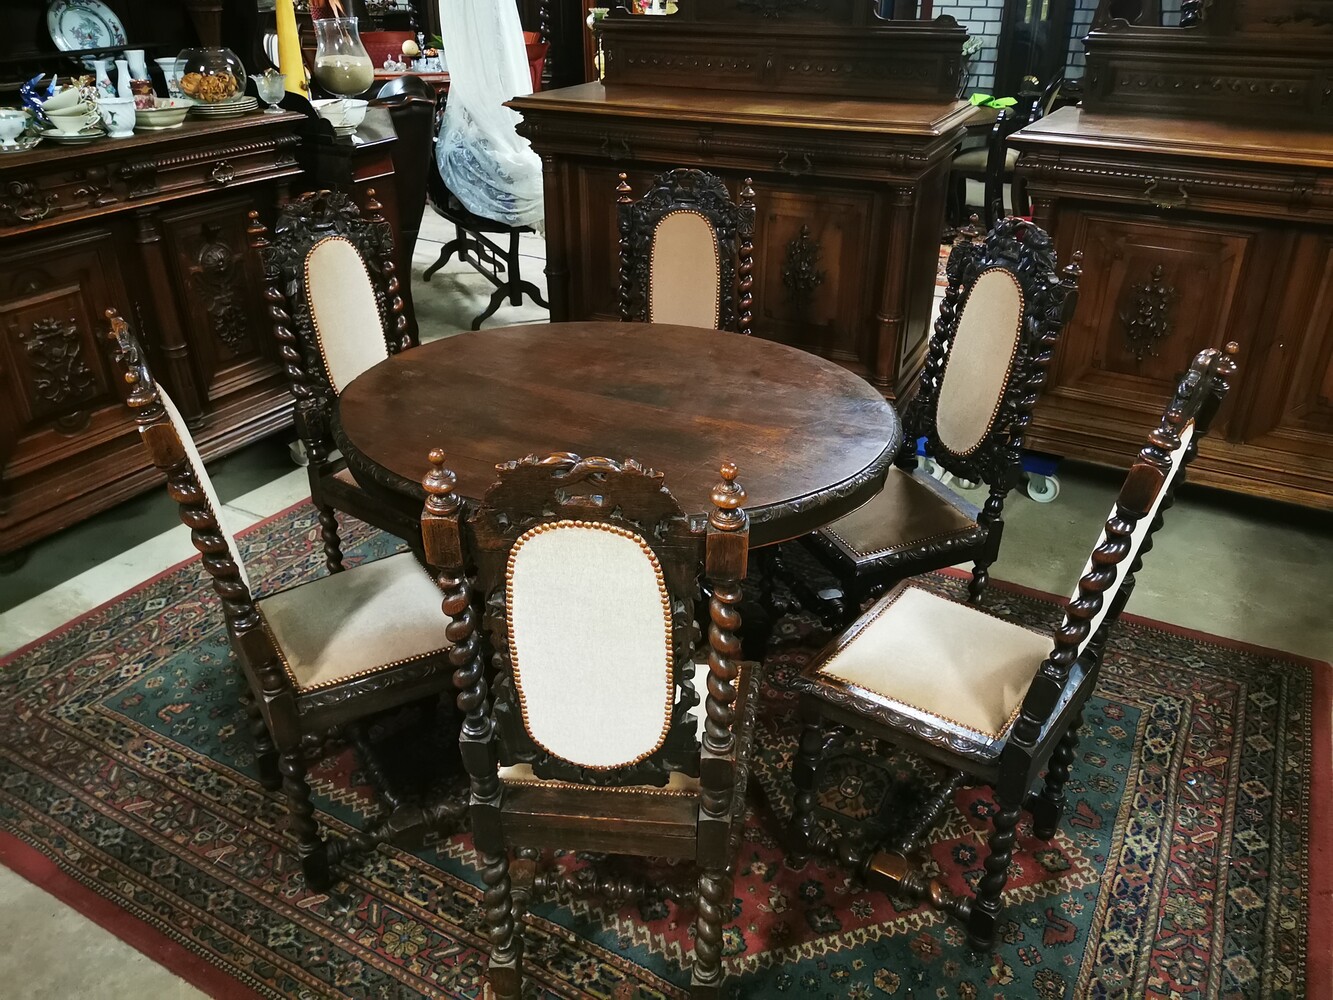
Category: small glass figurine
[271,86]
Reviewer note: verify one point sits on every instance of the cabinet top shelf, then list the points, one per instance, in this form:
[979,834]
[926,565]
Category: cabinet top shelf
[1143,136]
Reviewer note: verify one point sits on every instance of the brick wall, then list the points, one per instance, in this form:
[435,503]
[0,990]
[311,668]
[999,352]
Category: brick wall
[981,18]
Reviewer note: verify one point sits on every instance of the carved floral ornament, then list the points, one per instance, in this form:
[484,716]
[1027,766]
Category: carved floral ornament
[59,374]
[1148,317]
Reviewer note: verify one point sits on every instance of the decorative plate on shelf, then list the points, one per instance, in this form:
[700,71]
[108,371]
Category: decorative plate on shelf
[83,24]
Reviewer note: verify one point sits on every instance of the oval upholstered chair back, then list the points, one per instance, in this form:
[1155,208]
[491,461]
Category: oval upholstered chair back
[686,252]
[590,571]
[332,291]
[1003,310]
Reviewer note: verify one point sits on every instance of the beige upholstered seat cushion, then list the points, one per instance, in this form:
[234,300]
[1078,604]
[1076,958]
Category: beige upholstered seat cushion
[343,310]
[365,619]
[933,660]
[980,361]
[201,475]
[590,641]
[974,160]
[686,283]
[911,509]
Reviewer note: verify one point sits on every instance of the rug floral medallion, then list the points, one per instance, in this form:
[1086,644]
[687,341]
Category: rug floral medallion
[1181,870]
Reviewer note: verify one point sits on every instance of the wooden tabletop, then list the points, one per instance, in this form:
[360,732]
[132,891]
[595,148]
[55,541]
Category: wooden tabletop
[812,441]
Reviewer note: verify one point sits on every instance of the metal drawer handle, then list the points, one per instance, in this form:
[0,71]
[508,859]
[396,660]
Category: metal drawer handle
[1165,201]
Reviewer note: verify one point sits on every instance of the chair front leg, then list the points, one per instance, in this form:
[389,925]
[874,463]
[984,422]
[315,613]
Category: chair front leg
[714,902]
[504,968]
[310,848]
[817,742]
[266,754]
[984,917]
[328,532]
[1048,808]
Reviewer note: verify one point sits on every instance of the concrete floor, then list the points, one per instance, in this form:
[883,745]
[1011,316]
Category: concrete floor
[1256,572]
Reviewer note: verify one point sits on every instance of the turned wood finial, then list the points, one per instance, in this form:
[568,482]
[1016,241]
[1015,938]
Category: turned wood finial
[623,190]
[256,231]
[440,485]
[747,190]
[372,203]
[1074,269]
[728,495]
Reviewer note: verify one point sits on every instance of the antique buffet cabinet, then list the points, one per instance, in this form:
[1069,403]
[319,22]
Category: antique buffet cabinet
[154,227]
[846,123]
[1198,181]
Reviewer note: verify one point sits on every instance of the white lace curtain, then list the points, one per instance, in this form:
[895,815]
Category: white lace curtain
[488,166]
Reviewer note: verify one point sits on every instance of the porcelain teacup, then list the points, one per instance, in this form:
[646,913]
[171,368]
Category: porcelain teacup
[12,122]
[118,114]
[67,99]
[74,121]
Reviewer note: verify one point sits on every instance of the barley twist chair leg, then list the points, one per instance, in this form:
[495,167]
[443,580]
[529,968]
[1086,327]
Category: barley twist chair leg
[505,967]
[311,848]
[984,917]
[714,909]
[328,532]
[1048,808]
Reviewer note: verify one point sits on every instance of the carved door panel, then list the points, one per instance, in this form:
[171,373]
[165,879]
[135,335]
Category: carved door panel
[813,255]
[57,393]
[226,323]
[1153,294]
[1286,403]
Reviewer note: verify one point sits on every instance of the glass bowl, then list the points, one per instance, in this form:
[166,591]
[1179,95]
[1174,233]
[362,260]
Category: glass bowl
[210,76]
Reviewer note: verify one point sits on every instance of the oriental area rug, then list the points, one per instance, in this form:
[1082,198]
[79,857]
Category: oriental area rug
[1193,861]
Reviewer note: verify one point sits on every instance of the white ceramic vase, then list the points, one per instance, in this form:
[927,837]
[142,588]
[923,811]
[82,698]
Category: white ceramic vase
[138,69]
[102,77]
[123,78]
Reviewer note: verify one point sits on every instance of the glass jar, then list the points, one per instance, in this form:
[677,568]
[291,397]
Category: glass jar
[342,65]
[210,76]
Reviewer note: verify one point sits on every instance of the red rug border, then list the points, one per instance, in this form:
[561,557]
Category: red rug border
[42,871]
[25,860]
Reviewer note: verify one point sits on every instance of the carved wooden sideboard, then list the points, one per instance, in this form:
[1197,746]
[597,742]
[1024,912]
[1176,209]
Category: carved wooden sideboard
[153,226]
[1193,233]
[845,122]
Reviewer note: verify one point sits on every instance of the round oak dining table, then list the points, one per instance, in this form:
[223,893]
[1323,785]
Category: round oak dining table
[812,441]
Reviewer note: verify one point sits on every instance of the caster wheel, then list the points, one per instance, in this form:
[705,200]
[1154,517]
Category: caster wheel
[927,465]
[298,453]
[1043,489]
[964,484]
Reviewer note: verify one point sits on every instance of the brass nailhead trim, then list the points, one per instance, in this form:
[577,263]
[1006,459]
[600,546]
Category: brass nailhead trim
[612,529]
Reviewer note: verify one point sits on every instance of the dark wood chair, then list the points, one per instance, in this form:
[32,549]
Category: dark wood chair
[993,163]
[983,698]
[333,295]
[319,659]
[586,734]
[490,247]
[687,252]
[1002,314]
[412,106]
